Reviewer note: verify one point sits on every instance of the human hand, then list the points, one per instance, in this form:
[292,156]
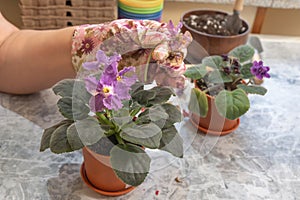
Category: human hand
[140,43]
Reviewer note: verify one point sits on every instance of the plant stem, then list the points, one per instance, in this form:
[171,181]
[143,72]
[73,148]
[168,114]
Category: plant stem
[119,139]
[102,118]
[136,111]
[249,81]
[236,80]
[147,66]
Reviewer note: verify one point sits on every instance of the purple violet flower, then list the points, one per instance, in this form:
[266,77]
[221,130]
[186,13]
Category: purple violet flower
[259,70]
[172,29]
[113,86]
[102,61]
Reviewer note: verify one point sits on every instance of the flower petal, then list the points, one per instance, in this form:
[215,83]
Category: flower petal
[125,70]
[93,65]
[96,103]
[102,58]
[91,84]
[109,75]
[112,102]
[122,90]
[115,58]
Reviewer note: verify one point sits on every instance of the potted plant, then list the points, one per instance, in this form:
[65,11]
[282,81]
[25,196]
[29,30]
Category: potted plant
[113,111]
[210,32]
[222,85]
[113,117]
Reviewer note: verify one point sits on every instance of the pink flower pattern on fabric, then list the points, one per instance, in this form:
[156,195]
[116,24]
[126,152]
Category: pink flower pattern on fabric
[140,42]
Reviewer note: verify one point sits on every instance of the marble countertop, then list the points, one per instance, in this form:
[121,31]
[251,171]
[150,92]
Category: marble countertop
[284,4]
[260,160]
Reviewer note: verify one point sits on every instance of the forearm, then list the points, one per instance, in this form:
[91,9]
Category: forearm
[34,60]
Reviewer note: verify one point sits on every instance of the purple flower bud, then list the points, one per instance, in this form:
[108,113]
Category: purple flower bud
[235,62]
[225,57]
[227,70]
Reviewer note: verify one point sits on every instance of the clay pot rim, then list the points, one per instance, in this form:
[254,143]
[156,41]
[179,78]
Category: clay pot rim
[90,150]
[210,35]
[213,132]
[104,156]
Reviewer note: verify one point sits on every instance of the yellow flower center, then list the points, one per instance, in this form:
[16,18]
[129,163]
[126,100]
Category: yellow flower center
[106,90]
[119,78]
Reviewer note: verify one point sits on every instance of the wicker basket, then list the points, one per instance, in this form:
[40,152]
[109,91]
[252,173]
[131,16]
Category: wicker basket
[53,14]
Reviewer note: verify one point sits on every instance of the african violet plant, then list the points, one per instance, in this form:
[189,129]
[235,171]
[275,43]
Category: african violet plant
[229,79]
[115,105]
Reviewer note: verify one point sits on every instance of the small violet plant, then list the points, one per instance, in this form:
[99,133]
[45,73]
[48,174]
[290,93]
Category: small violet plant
[111,105]
[228,79]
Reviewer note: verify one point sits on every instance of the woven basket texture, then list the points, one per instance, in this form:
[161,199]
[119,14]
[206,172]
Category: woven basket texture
[54,14]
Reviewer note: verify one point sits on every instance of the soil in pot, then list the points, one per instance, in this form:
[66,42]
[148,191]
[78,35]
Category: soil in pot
[210,35]
[212,23]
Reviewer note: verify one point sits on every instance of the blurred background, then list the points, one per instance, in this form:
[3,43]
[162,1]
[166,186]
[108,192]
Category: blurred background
[277,21]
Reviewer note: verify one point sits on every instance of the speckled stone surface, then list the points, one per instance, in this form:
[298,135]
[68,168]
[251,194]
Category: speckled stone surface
[260,160]
[284,4]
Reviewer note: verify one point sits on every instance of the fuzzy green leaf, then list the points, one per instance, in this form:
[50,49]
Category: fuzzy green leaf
[73,108]
[59,142]
[162,95]
[198,102]
[219,77]
[155,95]
[121,116]
[232,104]
[72,88]
[195,72]
[253,89]
[215,62]
[64,88]
[174,114]
[143,96]
[245,71]
[130,163]
[84,132]
[164,115]
[147,135]
[155,114]
[172,142]
[138,86]
[45,141]
[243,53]
[73,138]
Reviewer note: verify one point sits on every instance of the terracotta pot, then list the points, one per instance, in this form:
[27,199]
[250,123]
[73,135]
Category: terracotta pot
[214,123]
[97,173]
[212,44]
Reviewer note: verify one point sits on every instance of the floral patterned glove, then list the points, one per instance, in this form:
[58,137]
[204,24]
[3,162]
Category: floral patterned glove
[156,49]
